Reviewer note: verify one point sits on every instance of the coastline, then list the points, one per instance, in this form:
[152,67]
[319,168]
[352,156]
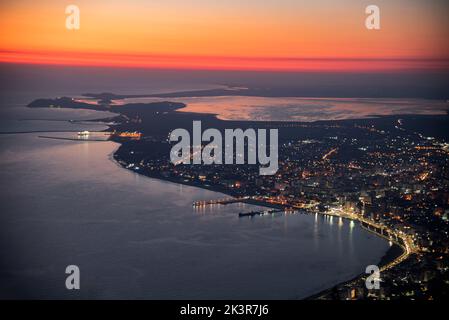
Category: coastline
[388,258]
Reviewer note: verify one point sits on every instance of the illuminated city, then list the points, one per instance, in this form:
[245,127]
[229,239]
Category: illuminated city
[225,159]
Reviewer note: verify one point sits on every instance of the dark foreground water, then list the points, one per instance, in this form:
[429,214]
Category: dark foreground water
[65,202]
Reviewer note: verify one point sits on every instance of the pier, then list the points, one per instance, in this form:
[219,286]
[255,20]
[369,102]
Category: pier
[263,212]
[223,201]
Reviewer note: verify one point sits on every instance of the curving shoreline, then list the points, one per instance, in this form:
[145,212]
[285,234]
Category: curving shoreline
[388,261]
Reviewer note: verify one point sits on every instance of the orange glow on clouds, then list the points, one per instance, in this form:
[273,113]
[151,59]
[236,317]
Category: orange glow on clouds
[282,35]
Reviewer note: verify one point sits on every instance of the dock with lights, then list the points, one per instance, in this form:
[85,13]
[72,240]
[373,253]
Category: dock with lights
[223,201]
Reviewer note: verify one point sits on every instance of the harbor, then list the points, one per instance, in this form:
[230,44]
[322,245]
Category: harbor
[86,135]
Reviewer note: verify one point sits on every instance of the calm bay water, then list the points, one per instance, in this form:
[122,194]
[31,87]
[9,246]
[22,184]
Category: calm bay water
[65,202]
[302,109]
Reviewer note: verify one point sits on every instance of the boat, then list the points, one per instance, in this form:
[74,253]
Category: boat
[250,214]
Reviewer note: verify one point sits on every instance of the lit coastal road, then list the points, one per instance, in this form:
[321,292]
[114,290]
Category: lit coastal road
[408,243]
[405,241]
[327,155]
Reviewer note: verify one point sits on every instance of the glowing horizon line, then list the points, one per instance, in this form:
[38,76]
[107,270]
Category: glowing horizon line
[161,55]
[196,62]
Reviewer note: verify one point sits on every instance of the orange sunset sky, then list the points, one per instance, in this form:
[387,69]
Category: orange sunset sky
[319,35]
